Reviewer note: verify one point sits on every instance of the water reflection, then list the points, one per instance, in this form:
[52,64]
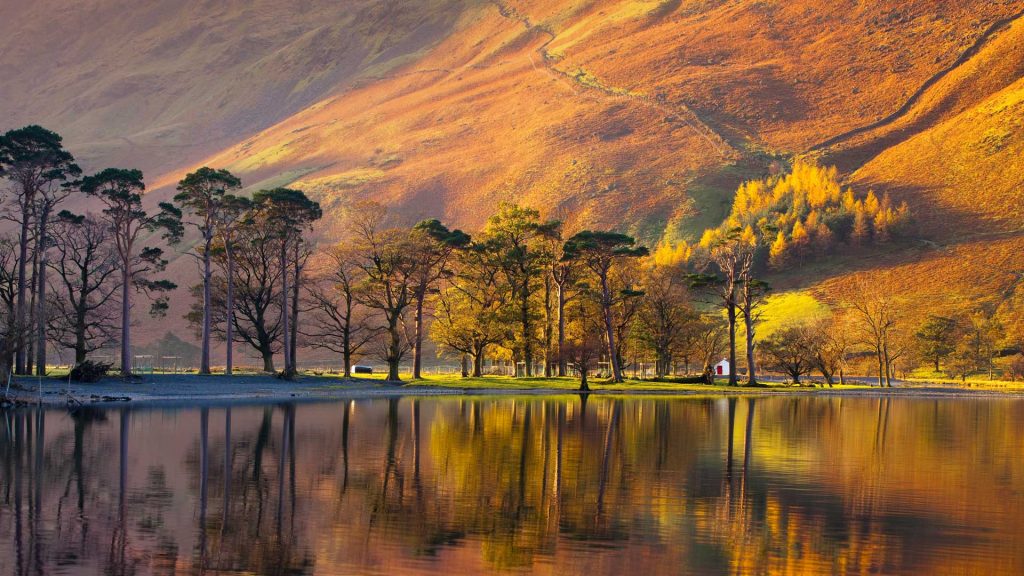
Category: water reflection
[548,485]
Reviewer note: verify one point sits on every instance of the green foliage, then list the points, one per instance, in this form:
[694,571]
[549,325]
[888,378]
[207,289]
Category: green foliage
[936,338]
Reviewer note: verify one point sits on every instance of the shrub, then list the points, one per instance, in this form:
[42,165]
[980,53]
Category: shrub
[90,371]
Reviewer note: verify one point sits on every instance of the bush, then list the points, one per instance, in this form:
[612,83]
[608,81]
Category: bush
[90,371]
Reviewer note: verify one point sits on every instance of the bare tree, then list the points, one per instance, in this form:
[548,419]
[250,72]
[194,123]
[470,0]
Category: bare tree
[85,294]
[877,319]
[389,266]
[664,315]
[339,321]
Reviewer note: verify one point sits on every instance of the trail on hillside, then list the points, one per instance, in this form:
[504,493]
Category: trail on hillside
[672,112]
[907,106]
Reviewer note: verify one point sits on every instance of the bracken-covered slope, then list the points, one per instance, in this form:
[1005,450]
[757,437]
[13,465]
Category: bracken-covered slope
[641,115]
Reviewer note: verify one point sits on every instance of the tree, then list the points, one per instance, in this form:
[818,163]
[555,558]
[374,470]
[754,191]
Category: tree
[388,265]
[752,295]
[599,252]
[469,311]
[877,318]
[584,339]
[202,194]
[513,239]
[710,341]
[827,346]
[287,214]
[231,213]
[250,256]
[664,315]
[85,314]
[936,338]
[339,322]
[732,253]
[433,244]
[120,192]
[789,350]
[34,160]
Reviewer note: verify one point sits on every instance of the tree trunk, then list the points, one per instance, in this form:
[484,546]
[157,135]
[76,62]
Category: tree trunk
[393,349]
[285,331]
[294,336]
[80,342]
[748,323]
[417,353]
[478,364]
[547,326]
[19,355]
[584,387]
[126,320]
[562,363]
[888,368]
[524,318]
[30,344]
[230,305]
[731,310]
[204,361]
[881,381]
[41,298]
[465,365]
[268,361]
[606,303]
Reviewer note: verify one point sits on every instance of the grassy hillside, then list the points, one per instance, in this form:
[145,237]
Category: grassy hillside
[642,115]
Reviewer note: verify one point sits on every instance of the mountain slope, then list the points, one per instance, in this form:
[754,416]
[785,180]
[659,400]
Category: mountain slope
[161,84]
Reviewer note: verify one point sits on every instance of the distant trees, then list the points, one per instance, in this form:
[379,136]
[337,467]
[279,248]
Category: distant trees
[665,315]
[790,351]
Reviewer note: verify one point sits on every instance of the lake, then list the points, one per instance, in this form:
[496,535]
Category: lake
[546,485]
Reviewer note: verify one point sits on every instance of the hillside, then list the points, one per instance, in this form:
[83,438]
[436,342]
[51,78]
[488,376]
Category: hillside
[642,115]
[160,85]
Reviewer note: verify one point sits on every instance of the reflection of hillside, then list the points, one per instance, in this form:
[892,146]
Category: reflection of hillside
[552,485]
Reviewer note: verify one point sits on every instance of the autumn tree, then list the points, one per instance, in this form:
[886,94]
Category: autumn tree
[790,351]
[513,241]
[120,192]
[433,244]
[251,260]
[665,315]
[877,319]
[827,347]
[202,195]
[230,218]
[599,252]
[85,288]
[388,265]
[34,161]
[469,316]
[731,253]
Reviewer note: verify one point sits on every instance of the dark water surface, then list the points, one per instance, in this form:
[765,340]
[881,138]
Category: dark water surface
[544,485]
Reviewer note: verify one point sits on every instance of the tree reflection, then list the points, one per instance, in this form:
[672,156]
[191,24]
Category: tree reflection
[475,484]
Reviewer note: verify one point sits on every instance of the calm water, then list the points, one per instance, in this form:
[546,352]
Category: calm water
[541,485]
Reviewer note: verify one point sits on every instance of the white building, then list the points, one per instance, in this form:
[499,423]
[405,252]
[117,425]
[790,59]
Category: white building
[722,368]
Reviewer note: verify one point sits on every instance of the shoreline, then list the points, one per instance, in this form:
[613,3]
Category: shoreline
[195,390]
